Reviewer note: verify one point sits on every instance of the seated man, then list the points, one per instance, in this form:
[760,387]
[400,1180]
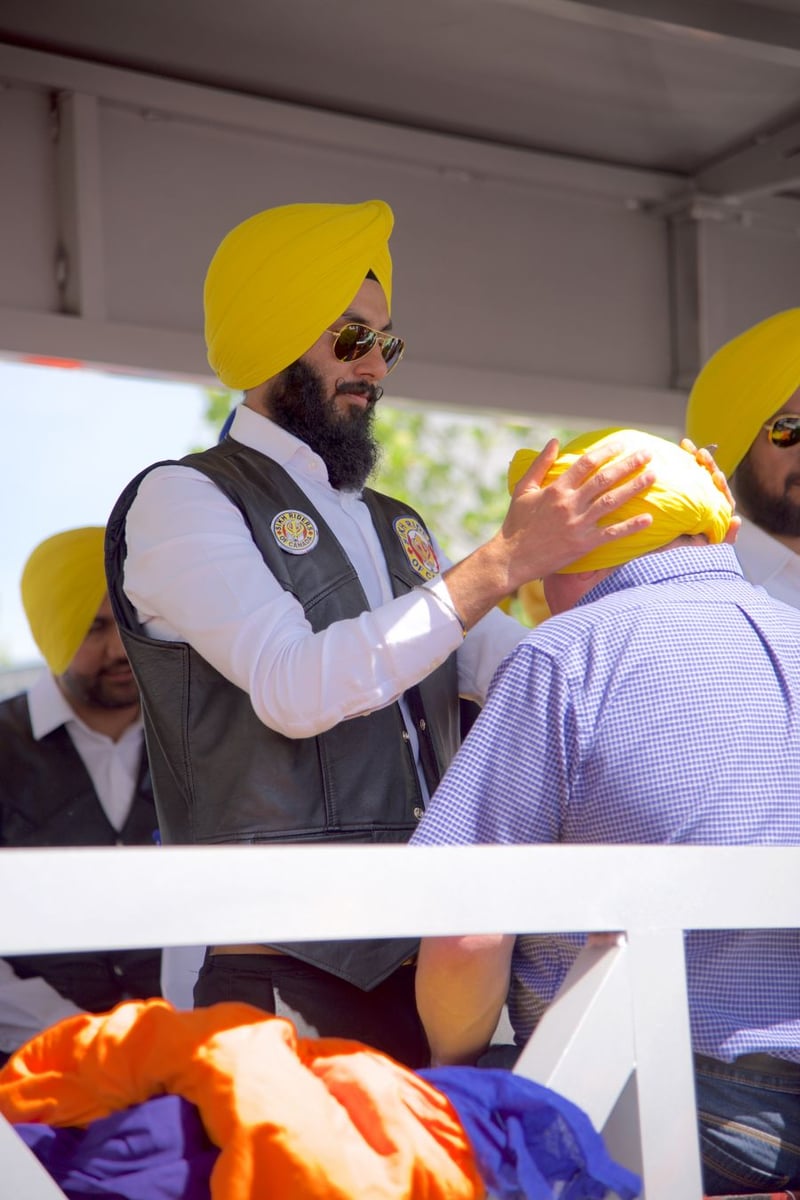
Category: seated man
[648,714]
[73,772]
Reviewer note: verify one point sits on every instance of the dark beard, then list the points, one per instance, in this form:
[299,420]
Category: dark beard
[98,691]
[345,443]
[778,515]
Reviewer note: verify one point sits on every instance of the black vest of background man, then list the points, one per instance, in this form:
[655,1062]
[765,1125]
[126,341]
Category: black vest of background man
[47,799]
[220,775]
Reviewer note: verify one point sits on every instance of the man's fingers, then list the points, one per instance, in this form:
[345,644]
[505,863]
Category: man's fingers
[604,474]
[733,531]
[620,529]
[611,494]
[705,458]
[534,476]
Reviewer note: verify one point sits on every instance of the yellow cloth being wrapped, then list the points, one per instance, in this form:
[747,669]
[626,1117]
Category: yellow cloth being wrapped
[742,385]
[63,584]
[280,278]
[683,499]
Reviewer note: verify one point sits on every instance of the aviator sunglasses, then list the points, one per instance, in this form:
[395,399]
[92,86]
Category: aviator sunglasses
[354,340]
[784,431]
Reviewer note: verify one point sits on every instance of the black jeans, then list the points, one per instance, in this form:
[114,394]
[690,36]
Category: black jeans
[384,1018]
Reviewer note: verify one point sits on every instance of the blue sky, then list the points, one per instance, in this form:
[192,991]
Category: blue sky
[73,440]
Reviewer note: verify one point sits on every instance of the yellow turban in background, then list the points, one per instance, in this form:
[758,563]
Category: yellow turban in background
[742,385]
[63,585]
[683,499]
[279,279]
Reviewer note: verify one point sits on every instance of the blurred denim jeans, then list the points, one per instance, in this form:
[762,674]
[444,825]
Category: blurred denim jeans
[749,1116]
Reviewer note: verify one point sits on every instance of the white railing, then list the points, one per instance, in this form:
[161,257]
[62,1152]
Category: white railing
[616,1041]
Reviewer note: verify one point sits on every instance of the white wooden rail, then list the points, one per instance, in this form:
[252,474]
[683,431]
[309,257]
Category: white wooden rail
[616,1041]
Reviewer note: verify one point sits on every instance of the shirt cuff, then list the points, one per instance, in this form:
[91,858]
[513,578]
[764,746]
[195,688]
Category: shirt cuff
[439,589]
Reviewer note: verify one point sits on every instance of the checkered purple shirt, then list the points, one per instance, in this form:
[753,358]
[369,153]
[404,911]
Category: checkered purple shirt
[664,708]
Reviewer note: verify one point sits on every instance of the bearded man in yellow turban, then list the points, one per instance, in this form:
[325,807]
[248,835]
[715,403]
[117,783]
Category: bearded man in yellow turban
[645,711]
[301,640]
[746,400]
[73,772]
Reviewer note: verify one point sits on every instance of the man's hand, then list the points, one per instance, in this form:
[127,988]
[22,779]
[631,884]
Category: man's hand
[553,526]
[547,528]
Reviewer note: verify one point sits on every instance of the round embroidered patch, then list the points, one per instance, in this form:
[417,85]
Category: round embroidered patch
[294,531]
[417,546]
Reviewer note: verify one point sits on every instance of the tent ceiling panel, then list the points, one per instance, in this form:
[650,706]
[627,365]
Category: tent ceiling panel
[660,85]
[585,191]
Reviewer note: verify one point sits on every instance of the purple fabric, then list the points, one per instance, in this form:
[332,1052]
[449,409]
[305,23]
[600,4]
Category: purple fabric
[155,1151]
[530,1142]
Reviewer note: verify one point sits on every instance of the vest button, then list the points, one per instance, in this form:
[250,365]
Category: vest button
[422,724]
[419,812]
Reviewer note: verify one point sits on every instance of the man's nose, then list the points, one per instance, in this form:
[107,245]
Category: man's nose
[114,645]
[372,365]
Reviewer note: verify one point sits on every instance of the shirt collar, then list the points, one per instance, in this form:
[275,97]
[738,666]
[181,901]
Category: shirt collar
[763,554]
[663,565]
[47,706]
[260,433]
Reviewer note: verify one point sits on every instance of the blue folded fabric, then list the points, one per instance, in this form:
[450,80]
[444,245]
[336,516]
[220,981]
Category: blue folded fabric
[158,1150]
[530,1142]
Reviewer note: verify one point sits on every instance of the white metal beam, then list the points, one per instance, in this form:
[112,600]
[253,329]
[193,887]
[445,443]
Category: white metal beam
[24,1177]
[170,354]
[590,1020]
[184,896]
[664,1071]
[771,164]
[80,252]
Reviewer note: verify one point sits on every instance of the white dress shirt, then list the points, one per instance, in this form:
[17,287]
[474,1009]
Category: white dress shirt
[194,574]
[768,562]
[113,767]
[29,1005]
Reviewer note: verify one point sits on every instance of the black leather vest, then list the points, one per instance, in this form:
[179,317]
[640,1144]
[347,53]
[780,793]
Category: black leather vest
[220,775]
[47,799]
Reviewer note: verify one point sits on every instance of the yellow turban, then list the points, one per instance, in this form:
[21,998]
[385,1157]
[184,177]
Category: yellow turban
[279,279]
[63,585]
[683,499]
[742,385]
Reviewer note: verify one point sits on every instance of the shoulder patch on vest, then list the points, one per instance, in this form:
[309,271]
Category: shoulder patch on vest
[294,531]
[417,546]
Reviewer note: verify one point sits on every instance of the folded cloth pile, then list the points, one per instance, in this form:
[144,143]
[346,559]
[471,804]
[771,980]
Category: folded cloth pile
[292,1117]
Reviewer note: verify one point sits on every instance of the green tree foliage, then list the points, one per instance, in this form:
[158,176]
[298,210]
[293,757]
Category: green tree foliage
[219,402]
[452,467]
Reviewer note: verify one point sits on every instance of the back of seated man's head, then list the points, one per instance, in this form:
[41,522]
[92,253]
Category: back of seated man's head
[749,384]
[683,503]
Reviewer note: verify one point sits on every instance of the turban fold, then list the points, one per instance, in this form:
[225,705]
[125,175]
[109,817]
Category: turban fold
[280,278]
[682,500]
[63,584]
[742,385]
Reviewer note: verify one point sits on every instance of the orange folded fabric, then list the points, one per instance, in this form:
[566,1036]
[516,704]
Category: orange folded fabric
[293,1117]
